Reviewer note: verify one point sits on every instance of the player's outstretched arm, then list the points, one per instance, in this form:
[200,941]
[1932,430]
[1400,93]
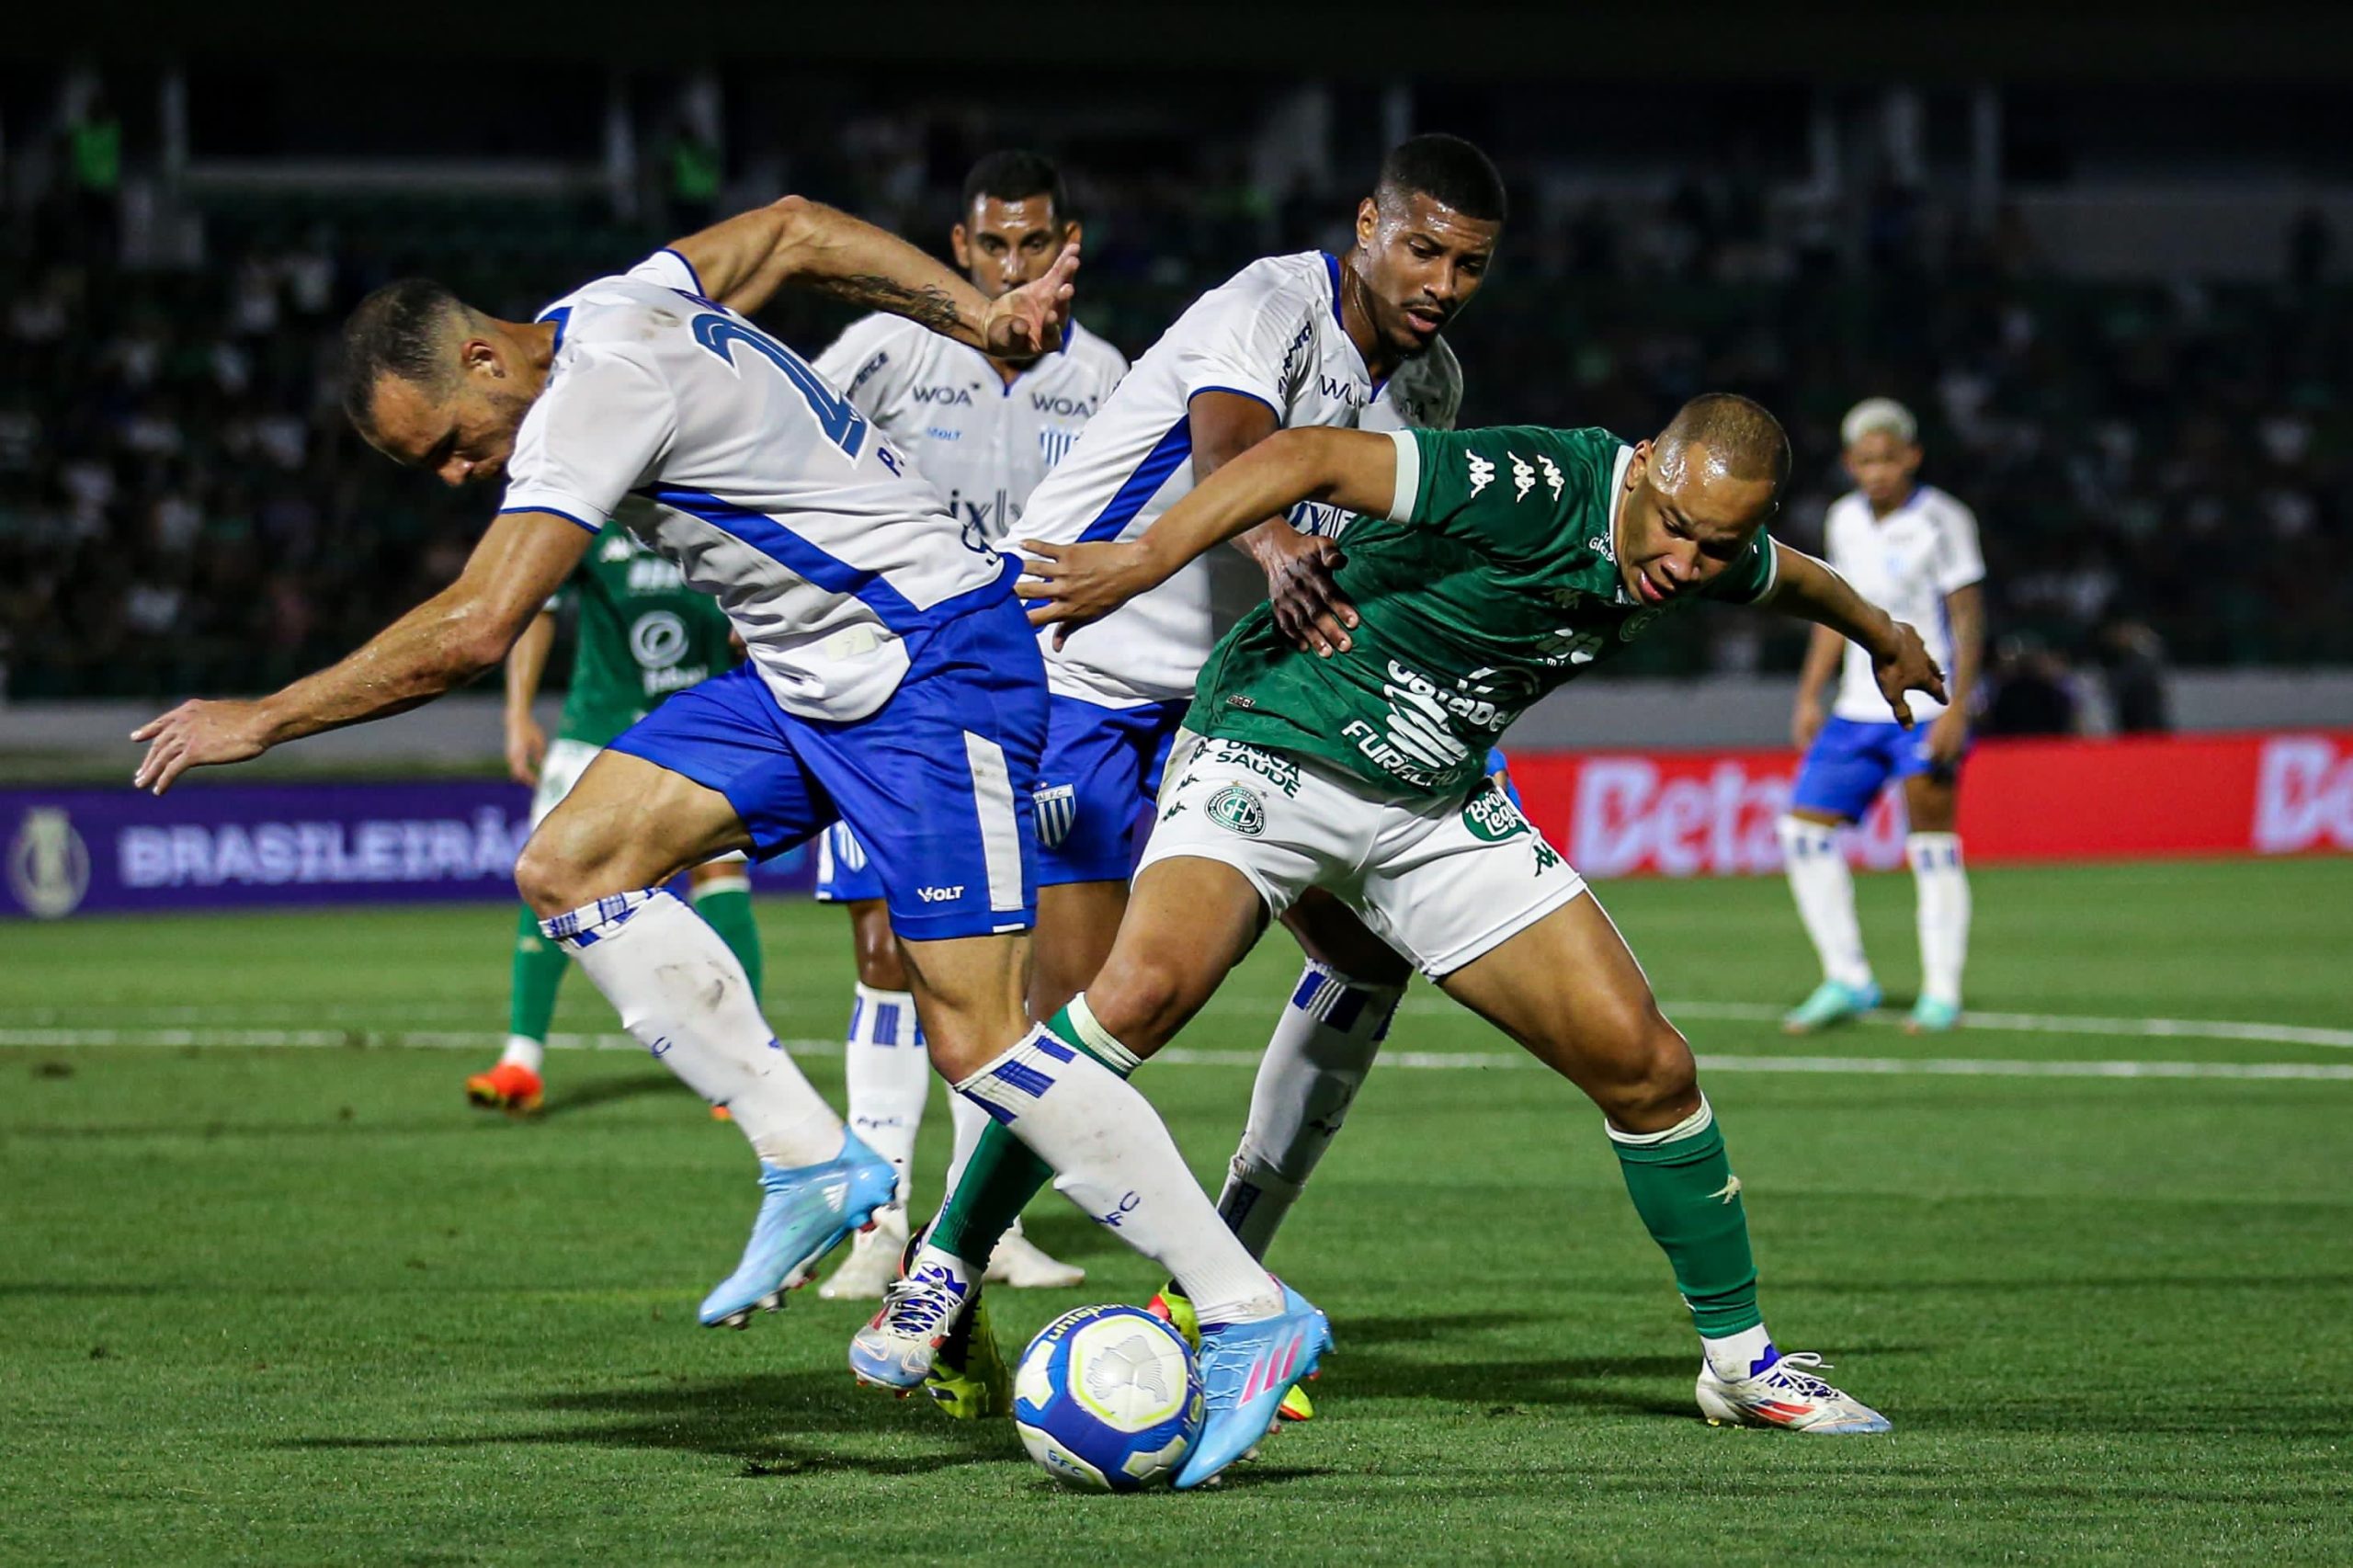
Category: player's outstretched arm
[1809,590]
[1071,585]
[443,643]
[744,261]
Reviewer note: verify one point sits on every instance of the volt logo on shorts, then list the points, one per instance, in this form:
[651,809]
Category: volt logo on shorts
[1491,816]
[1238,810]
[940,895]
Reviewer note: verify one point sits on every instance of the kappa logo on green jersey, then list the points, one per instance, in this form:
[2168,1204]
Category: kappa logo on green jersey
[1238,810]
[1491,816]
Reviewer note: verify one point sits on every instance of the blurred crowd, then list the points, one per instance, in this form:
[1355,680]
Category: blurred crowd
[2159,472]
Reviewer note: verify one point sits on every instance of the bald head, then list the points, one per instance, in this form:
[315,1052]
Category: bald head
[1723,435]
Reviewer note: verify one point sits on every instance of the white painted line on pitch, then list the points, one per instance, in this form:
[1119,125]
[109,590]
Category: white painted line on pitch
[1184,1056]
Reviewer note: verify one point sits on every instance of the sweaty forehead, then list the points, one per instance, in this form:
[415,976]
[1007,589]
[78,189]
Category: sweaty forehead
[1421,211]
[996,215]
[408,421]
[1699,485]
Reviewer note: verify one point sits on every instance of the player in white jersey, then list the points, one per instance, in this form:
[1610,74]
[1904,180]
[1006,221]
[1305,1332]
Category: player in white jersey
[891,681]
[1911,550]
[984,431]
[1290,341]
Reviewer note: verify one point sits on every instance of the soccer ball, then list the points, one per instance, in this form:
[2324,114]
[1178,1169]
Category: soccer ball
[1109,1399]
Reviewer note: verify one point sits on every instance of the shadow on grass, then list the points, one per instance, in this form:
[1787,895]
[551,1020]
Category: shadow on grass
[605,1091]
[777,1424]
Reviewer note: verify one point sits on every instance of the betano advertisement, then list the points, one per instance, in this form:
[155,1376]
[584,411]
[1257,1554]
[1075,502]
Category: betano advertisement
[1616,814]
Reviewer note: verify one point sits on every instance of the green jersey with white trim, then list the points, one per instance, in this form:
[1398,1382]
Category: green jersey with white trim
[1492,580]
[643,634]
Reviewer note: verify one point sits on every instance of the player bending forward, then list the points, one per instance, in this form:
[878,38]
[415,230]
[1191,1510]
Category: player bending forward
[892,683]
[1489,566]
[984,431]
[1911,550]
[643,636]
[1310,339]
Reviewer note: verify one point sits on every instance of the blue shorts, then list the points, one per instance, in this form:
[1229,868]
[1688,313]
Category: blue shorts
[1851,761]
[1096,784]
[844,875]
[1498,763]
[937,783]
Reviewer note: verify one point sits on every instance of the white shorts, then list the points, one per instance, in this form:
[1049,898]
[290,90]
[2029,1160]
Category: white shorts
[562,768]
[1443,881]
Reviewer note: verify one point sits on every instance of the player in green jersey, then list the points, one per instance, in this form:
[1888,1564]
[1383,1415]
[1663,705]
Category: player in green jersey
[642,634]
[1487,567]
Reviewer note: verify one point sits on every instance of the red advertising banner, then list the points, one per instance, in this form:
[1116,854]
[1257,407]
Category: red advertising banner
[1712,814]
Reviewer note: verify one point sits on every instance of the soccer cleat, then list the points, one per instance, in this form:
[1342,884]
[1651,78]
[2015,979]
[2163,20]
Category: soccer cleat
[510,1086]
[721,1113]
[1173,1307]
[874,1260]
[1787,1395]
[1832,1002]
[968,1379]
[1019,1263]
[805,1210]
[1247,1368]
[1932,1015]
[921,1310]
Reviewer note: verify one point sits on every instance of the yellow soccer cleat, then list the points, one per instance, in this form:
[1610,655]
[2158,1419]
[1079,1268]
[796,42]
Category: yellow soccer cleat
[968,1379]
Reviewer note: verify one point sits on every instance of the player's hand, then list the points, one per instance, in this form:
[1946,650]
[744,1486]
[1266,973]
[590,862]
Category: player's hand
[1069,585]
[1947,737]
[1309,607]
[526,747]
[1026,322]
[1905,666]
[198,734]
[1806,721]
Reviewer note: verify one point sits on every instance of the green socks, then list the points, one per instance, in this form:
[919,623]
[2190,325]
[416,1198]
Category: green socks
[1003,1175]
[728,911]
[1682,1185]
[537,971]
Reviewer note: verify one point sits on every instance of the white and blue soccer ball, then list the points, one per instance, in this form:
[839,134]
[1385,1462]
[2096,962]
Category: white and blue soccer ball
[1109,1399]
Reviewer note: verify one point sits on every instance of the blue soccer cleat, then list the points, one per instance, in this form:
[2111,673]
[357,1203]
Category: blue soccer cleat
[1932,1014]
[1832,1002]
[805,1211]
[1246,1369]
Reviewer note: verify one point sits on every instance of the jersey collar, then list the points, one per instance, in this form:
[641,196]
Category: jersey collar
[1331,270]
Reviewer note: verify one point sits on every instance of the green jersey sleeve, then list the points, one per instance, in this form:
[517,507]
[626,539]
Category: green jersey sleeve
[1751,576]
[1514,484]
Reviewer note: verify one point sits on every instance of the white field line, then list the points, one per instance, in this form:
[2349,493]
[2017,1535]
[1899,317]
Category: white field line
[1182,1056]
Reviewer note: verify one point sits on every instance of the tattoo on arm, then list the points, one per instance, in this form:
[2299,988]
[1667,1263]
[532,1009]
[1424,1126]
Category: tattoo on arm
[931,307]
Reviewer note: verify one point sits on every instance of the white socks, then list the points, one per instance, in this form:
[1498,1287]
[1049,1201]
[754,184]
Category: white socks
[524,1052]
[1112,1157]
[1330,1031]
[889,1074]
[1826,895]
[1942,886]
[687,999]
[970,1121]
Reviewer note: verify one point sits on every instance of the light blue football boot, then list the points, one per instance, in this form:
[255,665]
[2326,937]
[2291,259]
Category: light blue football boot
[805,1213]
[1246,1369]
[1932,1014]
[1832,1002]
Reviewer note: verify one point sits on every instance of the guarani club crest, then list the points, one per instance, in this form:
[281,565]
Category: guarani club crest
[1238,810]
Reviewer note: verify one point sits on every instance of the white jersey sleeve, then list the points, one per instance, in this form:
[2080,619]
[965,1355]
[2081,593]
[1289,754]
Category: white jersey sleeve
[1959,561]
[598,433]
[1255,340]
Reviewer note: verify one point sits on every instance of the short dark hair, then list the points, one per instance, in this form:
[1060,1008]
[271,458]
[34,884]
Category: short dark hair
[401,330]
[1740,434]
[1447,169]
[1015,175]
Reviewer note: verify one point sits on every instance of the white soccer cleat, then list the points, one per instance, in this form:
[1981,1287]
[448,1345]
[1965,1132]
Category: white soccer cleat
[873,1261]
[1785,1394]
[1018,1262]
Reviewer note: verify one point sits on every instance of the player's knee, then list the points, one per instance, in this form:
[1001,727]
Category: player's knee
[555,873]
[1654,1082]
[1142,1003]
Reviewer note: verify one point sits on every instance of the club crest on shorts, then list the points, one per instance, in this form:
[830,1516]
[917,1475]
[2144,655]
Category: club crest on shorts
[1057,811]
[1238,810]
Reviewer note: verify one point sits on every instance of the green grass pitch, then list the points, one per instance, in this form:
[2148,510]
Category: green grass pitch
[278,1303]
